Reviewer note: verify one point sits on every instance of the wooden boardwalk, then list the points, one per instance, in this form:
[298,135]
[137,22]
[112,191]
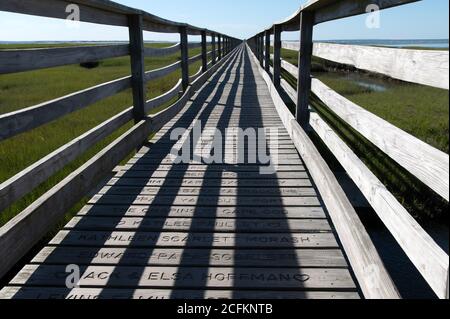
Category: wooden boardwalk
[162,230]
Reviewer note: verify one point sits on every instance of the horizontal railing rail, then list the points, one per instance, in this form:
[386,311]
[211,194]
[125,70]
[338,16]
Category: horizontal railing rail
[25,230]
[429,165]
[426,67]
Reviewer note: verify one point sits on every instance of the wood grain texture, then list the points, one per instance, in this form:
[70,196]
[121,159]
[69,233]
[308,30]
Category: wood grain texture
[239,278]
[431,261]
[158,294]
[23,120]
[328,10]
[162,72]
[323,258]
[367,265]
[202,212]
[427,163]
[158,52]
[203,225]
[193,240]
[12,61]
[427,67]
[164,98]
[97,11]
[304,73]
[137,56]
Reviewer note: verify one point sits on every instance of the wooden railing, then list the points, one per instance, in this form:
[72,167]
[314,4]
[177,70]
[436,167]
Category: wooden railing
[19,235]
[429,165]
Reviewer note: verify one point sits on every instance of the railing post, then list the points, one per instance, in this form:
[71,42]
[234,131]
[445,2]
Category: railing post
[267,47]
[204,52]
[184,57]
[213,44]
[277,56]
[224,46]
[219,44]
[261,44]
[304,68]
[137,66]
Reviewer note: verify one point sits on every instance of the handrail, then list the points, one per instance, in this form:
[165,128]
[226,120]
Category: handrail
[12,61]
[100,12]
[428,164]
[37,219]
[426,67]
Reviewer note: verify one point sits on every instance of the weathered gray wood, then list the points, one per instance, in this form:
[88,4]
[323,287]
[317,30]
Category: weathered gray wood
[194,77]
[267,48]
[57,9]
[220,48]
[152,294]
[23,120]
[292,69]
[205,201]
[427,67]
[214,50]
[364,259]
[193,240]
[291,92]
[24,182]
[33,59]
[137,66]
[327,10]
[189,191]
[257,278]
[427,163]
[184,57]
[195,58]
[162,72]
[96,11]
[163,99]
[21,233]
[213,175]
[304,74]
[204,53]
[199,225]
[426,255]
[277,56]
[158,52]
[325,258]
[218,182]
[194,45]
[201,212]
[135,165]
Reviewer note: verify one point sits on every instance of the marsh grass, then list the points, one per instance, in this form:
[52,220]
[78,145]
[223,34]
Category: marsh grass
[25,89]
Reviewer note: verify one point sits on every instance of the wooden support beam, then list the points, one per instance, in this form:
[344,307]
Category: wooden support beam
[214,52]
[137,66]
[204,53]
[304,70]
[261,49]
[219,43]
[184,57]
[277,56]
[267,47]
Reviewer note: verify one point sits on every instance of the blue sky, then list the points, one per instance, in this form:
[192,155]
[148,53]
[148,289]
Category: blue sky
[428,19]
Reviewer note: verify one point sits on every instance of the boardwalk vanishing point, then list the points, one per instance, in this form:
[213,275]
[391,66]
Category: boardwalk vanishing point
[159,229]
